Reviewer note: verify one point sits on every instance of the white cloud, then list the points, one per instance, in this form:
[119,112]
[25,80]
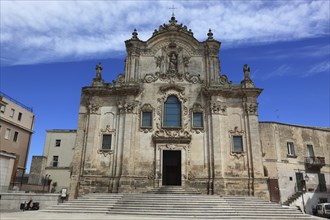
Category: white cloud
[55,30]
[318,68]
[282,70]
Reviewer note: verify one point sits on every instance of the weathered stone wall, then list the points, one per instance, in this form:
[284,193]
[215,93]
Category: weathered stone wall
[37,170]
[282,166]
[171,63]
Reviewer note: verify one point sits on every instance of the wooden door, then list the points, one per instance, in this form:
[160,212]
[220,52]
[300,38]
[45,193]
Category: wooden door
[274,190]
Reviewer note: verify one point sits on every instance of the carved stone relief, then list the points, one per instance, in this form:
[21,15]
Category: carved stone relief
[93,108]
[218,108]
[172,134]
[172,62]
[127,107]
[251,108]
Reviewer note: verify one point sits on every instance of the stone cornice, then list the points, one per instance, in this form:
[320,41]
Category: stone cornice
[231,92]
[127,89]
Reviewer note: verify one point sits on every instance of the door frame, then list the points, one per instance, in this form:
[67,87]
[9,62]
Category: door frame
[177,165]
[160,147]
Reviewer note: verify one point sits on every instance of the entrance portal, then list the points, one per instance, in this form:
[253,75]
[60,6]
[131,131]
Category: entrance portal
[172,168]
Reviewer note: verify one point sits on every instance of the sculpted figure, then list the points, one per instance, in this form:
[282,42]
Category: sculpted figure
[173,62]
[98,72]
[246,70]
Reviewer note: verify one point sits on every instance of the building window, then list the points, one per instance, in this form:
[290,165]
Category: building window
[12,113]
[57,142]
[3,108]
[106,141]
[19,118]
[172,112]
[198,120]
[290,147]
[55,161]
[310,150]
[15,136]
[7,134]
[146,119]
[237,144]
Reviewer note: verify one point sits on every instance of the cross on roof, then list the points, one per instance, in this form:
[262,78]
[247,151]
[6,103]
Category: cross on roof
[172,10]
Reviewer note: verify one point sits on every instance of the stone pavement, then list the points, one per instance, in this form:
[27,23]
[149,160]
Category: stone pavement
[37,215]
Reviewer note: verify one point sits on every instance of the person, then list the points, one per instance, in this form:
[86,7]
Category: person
[63,194]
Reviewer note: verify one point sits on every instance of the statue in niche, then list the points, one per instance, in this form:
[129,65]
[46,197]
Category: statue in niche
[173,64]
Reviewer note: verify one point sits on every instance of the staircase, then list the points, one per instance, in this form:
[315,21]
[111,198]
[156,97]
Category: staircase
[177,203]
[173,190]
[90,203]
[292,198]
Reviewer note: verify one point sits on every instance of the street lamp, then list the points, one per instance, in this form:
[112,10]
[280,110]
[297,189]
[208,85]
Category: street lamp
[303,190]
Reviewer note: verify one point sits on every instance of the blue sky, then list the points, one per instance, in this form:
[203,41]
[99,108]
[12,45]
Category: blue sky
[49,50]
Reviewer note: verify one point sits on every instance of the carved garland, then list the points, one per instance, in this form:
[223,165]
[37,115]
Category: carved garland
[232,133]
[166,77]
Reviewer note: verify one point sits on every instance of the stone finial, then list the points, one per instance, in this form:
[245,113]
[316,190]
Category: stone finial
[210,35]
[135,34]
[99,69]
[173,21]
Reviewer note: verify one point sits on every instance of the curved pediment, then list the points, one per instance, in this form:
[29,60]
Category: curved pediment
[173,33]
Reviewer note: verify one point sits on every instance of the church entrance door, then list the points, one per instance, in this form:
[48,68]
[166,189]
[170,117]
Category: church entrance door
[171,168]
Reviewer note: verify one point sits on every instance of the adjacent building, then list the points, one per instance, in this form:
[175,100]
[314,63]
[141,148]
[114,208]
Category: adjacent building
[58,153]
[16,129]
[296,160]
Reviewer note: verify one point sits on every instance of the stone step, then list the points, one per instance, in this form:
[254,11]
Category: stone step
[204,210]
[178,206]
[214,215]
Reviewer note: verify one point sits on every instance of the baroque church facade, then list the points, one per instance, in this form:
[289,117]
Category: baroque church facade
[172,118]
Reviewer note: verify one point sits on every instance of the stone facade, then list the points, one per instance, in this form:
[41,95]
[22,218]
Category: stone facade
[297,157]
[172,118]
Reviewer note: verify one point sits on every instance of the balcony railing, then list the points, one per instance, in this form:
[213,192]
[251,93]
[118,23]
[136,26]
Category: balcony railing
[314,161]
